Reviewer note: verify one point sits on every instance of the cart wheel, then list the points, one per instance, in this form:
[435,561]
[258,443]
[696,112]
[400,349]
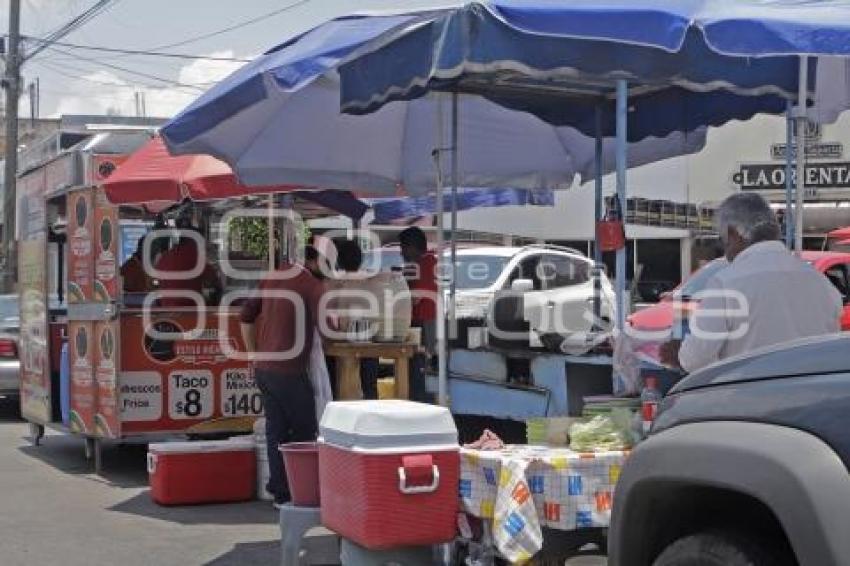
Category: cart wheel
[36,433]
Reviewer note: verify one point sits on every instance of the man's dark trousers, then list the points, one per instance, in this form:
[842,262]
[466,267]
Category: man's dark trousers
[290,417]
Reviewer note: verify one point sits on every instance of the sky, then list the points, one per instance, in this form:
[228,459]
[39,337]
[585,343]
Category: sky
[76,81]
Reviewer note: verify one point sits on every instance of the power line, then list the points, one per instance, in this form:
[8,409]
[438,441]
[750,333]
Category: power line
[139,51]
[62,71]
[75,24]
[233,27]
[126,70]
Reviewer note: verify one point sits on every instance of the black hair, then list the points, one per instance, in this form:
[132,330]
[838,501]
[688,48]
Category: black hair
[311,253]
[349,255]
[414,236]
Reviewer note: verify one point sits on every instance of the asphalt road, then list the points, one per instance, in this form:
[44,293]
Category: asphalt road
[55,511]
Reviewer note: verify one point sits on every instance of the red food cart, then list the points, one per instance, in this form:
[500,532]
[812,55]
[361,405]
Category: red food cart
[106,364]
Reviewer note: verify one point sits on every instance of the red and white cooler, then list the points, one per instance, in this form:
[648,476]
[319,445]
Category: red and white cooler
[219,471]
[389,473]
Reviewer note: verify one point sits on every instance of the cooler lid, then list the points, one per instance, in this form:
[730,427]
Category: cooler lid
[237,444]
[390,424]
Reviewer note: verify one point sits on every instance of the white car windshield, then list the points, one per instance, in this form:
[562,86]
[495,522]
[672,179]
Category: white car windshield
[478,271]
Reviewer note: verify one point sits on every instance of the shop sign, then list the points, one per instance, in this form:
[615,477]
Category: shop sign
[832,150]
[771,176]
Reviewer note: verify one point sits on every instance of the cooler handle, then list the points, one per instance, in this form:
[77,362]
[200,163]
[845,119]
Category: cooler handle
[417,489]
[151,462]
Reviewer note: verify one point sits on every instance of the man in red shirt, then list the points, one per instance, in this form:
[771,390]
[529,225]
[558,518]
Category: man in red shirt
[181,258]
[423,287]
[278,331]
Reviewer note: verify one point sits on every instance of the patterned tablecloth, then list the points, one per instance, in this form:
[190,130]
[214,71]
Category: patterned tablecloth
[524,488]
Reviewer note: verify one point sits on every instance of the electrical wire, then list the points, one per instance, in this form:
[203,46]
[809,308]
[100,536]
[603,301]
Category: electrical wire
[126,70]
[71,26]
[139,51]
[135,86]
[233,27]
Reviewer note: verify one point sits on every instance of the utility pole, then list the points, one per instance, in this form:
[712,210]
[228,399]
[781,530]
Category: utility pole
[11,81]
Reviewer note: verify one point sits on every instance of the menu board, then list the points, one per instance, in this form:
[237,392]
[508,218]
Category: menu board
[32,275]
[107,419]
[105,249]
[170,381]
[80,240]
[81,346]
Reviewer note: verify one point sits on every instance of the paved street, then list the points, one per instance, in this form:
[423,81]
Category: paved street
[53,510]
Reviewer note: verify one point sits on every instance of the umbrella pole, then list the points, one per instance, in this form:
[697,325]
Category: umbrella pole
[442,376]
[597,215]
[802,97]
[442,372]
[270,224]
[622,115]
[453,231]
[789,187]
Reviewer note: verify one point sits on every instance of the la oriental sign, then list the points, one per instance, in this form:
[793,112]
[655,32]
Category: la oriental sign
[771,176]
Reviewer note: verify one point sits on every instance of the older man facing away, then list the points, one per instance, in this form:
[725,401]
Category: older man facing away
[766,296]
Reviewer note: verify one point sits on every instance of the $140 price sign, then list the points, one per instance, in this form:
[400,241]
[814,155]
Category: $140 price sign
[190,394]
[239,394]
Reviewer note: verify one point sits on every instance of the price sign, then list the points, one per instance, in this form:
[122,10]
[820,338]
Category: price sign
[190,394]
[240,395]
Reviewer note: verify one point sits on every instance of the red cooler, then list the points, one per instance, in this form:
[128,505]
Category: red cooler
[389,473]
[220,471]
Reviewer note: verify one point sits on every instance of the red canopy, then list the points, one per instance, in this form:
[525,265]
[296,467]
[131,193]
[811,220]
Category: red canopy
[151,175]
[843,233]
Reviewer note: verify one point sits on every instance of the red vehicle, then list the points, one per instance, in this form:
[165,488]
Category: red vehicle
[834,265]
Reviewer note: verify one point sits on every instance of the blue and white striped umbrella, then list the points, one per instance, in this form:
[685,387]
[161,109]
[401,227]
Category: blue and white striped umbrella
[689,63]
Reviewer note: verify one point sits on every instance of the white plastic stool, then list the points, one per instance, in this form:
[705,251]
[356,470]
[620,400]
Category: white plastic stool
[294,524]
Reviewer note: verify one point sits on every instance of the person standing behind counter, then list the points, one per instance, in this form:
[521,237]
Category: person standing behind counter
[182,258]
[422,282]
[766,295]
[279,331]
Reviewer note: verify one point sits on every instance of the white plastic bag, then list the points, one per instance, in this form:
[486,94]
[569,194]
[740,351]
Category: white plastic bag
[319,378]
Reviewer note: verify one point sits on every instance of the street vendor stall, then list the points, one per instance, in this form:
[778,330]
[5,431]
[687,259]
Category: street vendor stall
[107,360]
[443,83]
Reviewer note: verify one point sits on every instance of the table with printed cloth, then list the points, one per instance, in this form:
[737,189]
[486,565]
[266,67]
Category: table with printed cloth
[522,489]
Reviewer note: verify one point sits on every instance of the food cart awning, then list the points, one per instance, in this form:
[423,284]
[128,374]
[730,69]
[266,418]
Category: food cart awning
[153,178]
[392,210]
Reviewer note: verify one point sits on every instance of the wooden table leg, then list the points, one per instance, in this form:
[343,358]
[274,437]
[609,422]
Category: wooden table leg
[402,378]
[348,377]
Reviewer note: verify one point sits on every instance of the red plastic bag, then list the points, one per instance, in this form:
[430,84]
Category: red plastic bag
[610,235]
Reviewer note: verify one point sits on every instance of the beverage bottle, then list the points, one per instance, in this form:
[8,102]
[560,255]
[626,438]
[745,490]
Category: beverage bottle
[650,398]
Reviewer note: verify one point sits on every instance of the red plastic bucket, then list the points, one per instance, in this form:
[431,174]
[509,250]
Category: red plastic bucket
[301,461]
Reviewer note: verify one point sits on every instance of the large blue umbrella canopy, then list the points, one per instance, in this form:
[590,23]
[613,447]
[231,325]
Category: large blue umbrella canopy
[688,63]
[277,120]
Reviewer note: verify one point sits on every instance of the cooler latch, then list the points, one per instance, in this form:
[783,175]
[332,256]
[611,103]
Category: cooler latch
[418,474]
[151,462]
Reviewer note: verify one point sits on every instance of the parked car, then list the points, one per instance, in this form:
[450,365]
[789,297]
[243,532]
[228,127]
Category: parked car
[834,265]
[557,281]
[10,380]
[747,464]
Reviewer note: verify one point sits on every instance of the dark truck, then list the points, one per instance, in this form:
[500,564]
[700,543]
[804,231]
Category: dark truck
[747,464]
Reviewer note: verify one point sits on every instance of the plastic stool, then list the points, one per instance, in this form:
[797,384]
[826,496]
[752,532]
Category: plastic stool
[294,524]
[352,554]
